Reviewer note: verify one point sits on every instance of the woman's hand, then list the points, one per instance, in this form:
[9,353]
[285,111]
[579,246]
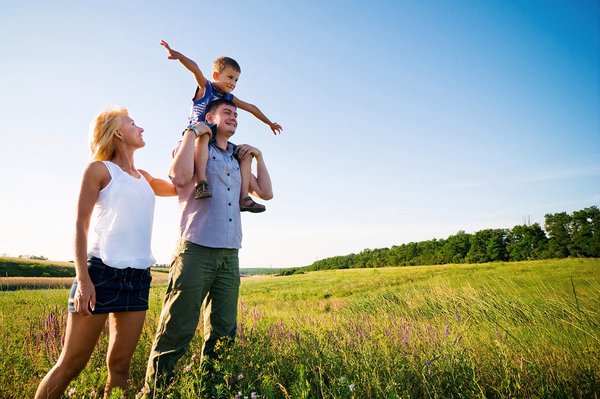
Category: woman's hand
[85,297]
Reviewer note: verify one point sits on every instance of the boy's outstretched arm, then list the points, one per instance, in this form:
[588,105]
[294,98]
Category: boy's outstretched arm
[253,109]
[189,64]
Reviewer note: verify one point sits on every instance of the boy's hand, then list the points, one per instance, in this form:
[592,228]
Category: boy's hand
[276,128]
[173,55]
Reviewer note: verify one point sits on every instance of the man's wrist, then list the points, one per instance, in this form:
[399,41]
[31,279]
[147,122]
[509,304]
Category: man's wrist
[193,128]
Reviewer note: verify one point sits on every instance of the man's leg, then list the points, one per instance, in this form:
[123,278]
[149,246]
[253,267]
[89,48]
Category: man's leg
[191,275]
[220,311]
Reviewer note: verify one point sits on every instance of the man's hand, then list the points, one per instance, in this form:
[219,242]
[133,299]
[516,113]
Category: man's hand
[202,128]
[244,150]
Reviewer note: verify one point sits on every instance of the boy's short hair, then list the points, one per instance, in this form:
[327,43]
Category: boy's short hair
[224,62]
[213,105]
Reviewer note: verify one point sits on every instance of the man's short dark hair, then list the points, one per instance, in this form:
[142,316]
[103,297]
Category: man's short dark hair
[213,105]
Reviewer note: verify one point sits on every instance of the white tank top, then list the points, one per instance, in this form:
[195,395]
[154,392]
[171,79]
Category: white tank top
[124,213]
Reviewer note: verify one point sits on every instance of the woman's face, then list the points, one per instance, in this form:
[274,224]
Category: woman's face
[131,134]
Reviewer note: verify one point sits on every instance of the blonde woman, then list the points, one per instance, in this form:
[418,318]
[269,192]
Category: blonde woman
[113,276]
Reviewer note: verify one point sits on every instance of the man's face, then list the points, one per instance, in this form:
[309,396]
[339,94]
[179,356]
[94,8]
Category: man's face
[225,117]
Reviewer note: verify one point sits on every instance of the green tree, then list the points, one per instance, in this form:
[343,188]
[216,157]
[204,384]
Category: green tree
[585,234]
[558,227]
[526,242]
[478,247]
[496,245]
[456,248]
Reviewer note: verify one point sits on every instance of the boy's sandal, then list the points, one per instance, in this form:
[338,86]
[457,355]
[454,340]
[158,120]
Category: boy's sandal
[202,190]
[248,205]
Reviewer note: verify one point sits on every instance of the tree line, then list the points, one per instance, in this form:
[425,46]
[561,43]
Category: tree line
[563,235]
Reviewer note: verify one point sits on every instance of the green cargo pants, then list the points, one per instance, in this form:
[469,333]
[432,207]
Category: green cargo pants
[199,277]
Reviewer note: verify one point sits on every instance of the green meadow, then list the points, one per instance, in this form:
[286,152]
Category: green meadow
[496,330]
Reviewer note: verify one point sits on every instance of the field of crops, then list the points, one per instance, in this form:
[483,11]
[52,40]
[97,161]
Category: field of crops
[499,330]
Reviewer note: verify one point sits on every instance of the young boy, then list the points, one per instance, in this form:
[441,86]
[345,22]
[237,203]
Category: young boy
[226,72]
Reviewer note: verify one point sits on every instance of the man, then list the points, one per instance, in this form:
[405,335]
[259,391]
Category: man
[206,264]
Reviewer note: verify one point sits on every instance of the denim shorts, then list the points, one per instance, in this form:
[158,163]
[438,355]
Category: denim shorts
[117,290]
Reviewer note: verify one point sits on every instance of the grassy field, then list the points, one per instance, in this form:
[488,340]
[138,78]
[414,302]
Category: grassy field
[501,330]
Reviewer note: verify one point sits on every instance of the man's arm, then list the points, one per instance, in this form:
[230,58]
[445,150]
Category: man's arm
[189,64]
[181,170]
[260,185]
[253,109]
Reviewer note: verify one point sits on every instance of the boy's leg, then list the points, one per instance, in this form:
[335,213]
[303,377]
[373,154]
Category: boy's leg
[200,160]
[247,204]
[191,276]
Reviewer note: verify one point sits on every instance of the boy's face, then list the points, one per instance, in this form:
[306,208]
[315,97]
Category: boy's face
[226,79]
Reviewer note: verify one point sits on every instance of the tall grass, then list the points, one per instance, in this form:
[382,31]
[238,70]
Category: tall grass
[514,330]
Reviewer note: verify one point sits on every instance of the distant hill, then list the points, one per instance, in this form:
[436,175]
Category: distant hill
[255,271]
[20,267]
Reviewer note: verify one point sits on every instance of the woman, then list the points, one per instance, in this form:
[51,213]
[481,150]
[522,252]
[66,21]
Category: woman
[113,276]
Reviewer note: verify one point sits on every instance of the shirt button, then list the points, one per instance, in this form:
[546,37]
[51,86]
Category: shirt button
[228,189]
[230,220]
[214,158]
[227,174]
[229,204]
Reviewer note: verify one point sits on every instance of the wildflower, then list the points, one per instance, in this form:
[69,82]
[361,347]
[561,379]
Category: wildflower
[71,392]
[187,368]
[141,393]
[351,386]
[240,376]
[238,396]
[253,395]
[92,393]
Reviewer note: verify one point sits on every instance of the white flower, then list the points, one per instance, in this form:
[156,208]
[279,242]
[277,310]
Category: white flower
[240,376]
[351,386]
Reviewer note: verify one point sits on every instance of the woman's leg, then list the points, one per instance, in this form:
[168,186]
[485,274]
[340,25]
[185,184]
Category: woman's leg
[125,330]
[80,340]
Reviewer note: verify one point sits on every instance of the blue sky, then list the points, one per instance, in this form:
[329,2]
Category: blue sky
[403,120]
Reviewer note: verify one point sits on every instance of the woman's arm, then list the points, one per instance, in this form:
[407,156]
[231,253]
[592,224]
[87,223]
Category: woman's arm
[161,188]
[95,177]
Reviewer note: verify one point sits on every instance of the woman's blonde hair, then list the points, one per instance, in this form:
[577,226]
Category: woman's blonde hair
[102,133]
